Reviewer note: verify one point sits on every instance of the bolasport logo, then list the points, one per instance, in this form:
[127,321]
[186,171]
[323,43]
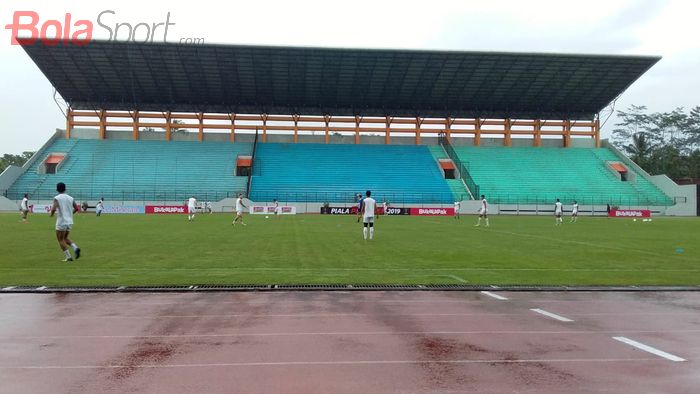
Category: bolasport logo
[29,27]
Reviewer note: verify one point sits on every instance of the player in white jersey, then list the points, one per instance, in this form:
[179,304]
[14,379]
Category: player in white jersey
[191,208]
[100,207]
[457,206]
[558,211]
[385,208]
[276,206]
[368,207]
[66,207]
[483,211]
[574,212]
[239,210]
[24,208]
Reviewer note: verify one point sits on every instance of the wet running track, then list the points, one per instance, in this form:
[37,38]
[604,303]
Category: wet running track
[350,342]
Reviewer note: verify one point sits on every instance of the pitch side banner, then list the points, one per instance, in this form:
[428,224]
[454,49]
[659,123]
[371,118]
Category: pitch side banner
[432,211]
[119,209]
[630,213]
[353,211]
[270,210]
[165,209]
[40,208]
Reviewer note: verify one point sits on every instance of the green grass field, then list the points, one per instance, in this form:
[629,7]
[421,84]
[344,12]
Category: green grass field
[136,250]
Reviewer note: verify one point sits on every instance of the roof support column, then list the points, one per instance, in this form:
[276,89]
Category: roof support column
[567,133]
[387,130]
[507,125]
[200,117]
[232,117]
[596,132]
[327,119]
[264,120]
[69,122]
[419,121]
[103,124]
[168,126]
[538,133]
[296,128]
[135,125]
[358,119]
[477,132]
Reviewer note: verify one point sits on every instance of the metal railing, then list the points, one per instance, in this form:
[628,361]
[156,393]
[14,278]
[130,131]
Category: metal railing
[348,197]
[615,200]
[461,167]
[252,164]
[149,196]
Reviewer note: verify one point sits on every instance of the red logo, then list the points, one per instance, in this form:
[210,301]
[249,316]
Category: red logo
[166,209]
[432,211]
[51,31]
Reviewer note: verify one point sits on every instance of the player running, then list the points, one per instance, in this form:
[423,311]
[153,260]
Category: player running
[24,208]
[100,207]
[367,212]
[574,212]
[65,206]
[457,206]
[483,211]
[558,211]
[239,210]
[191,208]
[276,206]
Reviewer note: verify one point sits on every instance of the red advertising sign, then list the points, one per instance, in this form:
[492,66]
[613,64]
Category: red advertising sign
[630,213]
[165,209]
[432,211]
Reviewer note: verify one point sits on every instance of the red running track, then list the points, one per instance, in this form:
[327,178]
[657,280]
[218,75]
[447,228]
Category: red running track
[348,342]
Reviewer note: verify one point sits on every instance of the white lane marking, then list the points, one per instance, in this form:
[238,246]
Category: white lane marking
[552,315]
[312,363]
[493,295]
[457,278]
[649,349]
[341,333]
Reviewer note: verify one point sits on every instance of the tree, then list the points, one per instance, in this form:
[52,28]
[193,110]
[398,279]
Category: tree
[639,149]
[14,160]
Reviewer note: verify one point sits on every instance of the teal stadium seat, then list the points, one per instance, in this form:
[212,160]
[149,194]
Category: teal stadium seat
[334,173]
[509,175]
[138,170]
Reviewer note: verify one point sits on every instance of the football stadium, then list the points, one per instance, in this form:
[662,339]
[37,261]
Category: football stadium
[255,218]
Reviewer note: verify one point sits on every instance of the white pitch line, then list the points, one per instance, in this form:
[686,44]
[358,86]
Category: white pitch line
[649,349]
[9,287]
[493,295]
[41,288]
[457,278]
[552,315]
[313,363]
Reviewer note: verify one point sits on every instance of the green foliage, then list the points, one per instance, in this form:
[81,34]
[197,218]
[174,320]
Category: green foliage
[14,160]
[169,250]
[661,142]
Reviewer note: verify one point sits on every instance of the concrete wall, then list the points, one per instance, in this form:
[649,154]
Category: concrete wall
[12,173]
[684,196]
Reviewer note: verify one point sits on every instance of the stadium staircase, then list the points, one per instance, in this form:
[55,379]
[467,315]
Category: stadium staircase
[457,186]
[335,173]
[138,170]
[510,175]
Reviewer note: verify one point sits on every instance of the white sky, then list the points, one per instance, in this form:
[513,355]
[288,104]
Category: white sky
[667,28]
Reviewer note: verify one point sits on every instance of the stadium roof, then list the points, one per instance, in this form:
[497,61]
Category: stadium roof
[315,81]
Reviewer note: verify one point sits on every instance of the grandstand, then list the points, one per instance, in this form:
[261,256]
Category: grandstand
[318,125]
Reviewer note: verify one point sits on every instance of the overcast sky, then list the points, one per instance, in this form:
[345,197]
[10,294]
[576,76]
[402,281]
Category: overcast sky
[667,28]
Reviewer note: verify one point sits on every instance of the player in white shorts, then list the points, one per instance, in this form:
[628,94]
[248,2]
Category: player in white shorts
[558,211]
[276,206]
[368,207]
[574,212]
[239,210]
[99,207]
[457,206]
[24,208]
[191,208]
[65,206]
[385,208]
[483,211]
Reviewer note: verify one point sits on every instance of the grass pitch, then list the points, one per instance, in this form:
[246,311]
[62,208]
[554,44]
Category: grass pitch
[135,250]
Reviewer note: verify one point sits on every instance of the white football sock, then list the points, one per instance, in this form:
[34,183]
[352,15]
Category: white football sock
[74,246]
[67,253]
[487,222]
[371,232]
[364,233]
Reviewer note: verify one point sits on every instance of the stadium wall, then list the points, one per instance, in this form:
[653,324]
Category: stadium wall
[12,173]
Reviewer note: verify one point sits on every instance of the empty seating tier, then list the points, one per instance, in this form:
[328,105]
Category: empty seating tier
[540,175]
[138,170]
[334,173]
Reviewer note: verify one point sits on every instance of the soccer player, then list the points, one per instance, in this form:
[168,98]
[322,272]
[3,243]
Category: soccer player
[239,210]
[574,212]
[24,208]
[483,211]
[100,207]
[368,206]
[558,211]
[208,206]
[65,206]
[191,208]
[457,206]
[385,208]
[276,206]
[360,201]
